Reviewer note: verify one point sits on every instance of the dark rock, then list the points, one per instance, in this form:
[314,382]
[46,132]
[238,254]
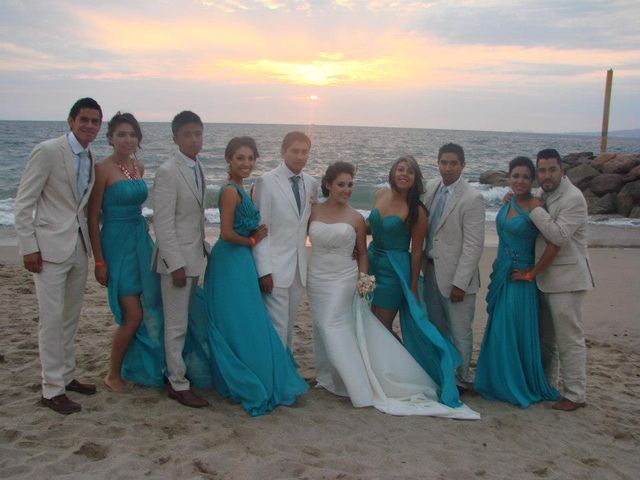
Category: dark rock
[602,159]
[624,203]
[634,174]
[578,158]
[496,178]
[622,163]
[606,183]
[635,212]
[603,205]
[633,189]
[581,175]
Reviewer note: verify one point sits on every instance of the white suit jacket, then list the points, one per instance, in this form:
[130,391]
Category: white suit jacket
[459,238]
[178,219]
[283,250]
[48,186]
[564,223]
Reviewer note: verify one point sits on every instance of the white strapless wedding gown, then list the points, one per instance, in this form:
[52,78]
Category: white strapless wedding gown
[355,354]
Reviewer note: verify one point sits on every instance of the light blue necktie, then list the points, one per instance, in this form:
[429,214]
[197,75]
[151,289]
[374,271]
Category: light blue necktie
[82,175]
[296,191]
[436,213]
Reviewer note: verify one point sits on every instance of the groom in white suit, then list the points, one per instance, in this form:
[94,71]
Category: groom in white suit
[54,244]
[284,196]
[454,245]
[180,250]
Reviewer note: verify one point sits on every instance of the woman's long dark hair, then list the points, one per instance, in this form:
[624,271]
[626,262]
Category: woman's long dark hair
[415,192]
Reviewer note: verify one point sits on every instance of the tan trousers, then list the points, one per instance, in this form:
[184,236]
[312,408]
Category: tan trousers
[282,305]
[175,304]
[454,320]
[60,291]
[562,338]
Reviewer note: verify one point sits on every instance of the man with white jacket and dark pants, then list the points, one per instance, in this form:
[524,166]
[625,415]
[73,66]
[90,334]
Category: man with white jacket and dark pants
[284,196]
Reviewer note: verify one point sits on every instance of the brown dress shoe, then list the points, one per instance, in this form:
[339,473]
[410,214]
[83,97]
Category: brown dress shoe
[83,388]
[567,405]
[187,397]
[61,404]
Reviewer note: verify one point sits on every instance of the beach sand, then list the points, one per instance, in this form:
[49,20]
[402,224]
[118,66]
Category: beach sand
[144,434]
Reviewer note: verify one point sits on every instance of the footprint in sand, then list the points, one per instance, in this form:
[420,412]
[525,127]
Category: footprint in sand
[92,451]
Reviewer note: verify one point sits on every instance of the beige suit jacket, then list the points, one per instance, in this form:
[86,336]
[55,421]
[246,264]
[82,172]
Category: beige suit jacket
[178,219]
[48,186]
[283,250]
[564,223]
[459,238]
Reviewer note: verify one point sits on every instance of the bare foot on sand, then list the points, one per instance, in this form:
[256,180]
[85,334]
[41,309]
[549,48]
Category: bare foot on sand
[116,385]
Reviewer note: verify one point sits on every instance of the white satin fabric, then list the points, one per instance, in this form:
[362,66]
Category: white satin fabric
[355,354]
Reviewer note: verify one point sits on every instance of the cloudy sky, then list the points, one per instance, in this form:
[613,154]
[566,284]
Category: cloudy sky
[511,65]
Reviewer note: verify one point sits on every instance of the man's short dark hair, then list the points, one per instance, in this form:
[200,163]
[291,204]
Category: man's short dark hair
[182,119]
[292,137]
[451,148]
[549,153]
[84,103]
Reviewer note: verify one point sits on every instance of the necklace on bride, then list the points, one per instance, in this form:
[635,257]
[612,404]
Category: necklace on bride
[131,174]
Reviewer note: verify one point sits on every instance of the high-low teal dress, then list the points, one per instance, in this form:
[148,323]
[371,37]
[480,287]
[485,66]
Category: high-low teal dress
[510,366]
[127,248]
[390,262]
[249,363]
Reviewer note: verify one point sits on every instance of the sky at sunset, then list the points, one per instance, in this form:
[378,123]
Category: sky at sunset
[509,65]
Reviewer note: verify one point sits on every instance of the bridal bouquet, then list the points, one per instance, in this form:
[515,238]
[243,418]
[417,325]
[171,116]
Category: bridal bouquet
[366,285]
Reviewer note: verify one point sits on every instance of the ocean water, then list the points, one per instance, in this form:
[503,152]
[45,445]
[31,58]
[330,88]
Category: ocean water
[372,150]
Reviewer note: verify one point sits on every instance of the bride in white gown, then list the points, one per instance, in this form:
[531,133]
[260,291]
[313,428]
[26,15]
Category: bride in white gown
[355,355]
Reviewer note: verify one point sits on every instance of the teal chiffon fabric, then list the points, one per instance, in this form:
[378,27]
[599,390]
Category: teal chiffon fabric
[510,366]
[249,363]
[390,262]
[127,248]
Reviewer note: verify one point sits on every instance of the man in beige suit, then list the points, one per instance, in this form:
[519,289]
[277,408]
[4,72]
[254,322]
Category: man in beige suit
[54,244]
[564,284]
[180,250]
[454,245]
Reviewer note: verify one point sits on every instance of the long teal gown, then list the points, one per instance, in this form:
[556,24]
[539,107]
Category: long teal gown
[390,262]
[127,248]
[249,363]
[510,366]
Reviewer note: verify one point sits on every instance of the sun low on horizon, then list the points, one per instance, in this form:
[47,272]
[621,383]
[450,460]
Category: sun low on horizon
[383,53]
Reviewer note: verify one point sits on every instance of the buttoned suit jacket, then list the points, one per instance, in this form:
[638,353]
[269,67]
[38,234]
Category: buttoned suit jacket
[283,250]
[48,186]
[458,238]
[564,223]
[178,219]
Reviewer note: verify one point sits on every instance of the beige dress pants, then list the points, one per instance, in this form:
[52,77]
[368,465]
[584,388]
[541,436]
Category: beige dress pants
[60,291]
[562,338]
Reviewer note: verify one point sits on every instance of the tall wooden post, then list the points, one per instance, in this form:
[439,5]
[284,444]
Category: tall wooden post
[605,114]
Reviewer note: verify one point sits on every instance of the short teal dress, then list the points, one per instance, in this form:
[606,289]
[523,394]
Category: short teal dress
[127,248]
[249,363]
[390,262]
[510,366]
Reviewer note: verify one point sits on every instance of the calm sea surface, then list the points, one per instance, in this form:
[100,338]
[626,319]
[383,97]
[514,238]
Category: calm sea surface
[373,150]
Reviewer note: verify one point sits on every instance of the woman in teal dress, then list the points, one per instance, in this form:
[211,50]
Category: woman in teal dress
[249,363]
[398,225]
[122,251]
[510,366]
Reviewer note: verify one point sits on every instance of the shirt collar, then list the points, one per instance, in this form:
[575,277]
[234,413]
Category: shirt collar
[450,188]
[189,162]
[289,173]
[76,148]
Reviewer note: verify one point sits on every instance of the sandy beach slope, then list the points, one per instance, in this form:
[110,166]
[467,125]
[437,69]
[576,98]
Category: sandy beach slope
[145,435]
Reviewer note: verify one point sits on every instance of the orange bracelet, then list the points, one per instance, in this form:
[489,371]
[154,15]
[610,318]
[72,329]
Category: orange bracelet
[252,240]
[101,264]
[528,276]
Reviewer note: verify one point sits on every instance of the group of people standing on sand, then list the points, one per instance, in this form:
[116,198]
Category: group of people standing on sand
[234,333]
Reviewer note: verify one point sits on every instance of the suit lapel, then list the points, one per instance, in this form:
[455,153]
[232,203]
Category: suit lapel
[455,198]
[70,166]
[287,191]
[187,175]
[92,179]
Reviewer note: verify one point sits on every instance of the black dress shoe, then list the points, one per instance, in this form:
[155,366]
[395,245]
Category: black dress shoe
[61,404]
[83,388]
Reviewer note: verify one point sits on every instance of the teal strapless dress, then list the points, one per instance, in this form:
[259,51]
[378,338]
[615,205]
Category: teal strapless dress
[510,366]
[127,249]
[390,262]
[249,363]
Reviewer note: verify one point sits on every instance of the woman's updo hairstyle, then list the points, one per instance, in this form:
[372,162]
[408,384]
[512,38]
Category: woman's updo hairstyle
[332,173]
